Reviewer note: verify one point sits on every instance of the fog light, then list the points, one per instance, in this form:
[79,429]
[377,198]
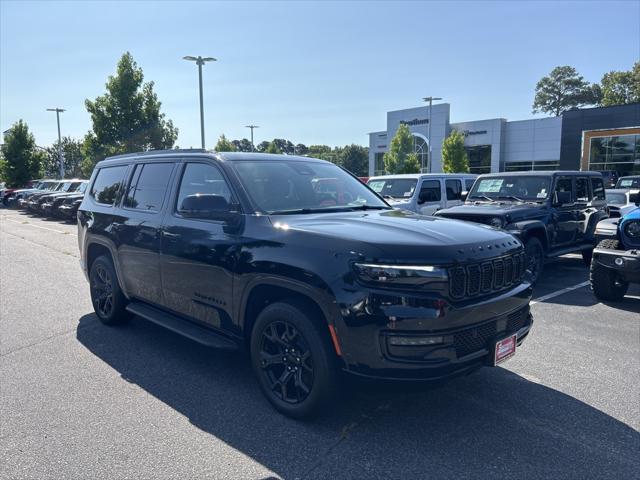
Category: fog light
[399,341]
[619,261]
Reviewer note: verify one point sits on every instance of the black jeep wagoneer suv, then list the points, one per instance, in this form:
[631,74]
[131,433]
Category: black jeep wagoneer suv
[299,262]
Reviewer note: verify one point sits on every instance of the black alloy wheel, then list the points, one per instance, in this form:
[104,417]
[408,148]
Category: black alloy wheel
[535,259]
[285,359]
[102,291]
[108,300]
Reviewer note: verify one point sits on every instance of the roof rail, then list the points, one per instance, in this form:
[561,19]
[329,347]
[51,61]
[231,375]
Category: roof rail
[159,152]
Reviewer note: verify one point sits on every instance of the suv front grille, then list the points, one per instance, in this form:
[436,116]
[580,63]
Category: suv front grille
[487,277]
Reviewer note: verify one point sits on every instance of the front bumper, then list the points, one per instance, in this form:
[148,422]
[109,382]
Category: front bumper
[466,333]
[625,263]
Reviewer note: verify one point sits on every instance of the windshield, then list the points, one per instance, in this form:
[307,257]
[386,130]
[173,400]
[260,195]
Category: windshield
[292,186]
[527,188]
[82,187]
[628,183]
[617,198]
[394,187]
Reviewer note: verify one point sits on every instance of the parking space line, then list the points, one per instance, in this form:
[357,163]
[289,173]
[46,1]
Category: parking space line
[37,226]
[558,292]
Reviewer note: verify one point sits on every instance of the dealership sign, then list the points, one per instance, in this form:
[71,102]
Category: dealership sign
[415,121]
[466,133]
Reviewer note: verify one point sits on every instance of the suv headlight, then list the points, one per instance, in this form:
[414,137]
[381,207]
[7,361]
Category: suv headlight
[632,229]
[399,275]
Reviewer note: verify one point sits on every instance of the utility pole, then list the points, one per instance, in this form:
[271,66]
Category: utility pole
[60,154]
[252,127]
[430,100]
[200,61]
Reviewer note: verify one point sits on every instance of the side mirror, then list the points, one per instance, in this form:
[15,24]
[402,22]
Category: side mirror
[463,196]
[635,198]
[561,198]
[207,206]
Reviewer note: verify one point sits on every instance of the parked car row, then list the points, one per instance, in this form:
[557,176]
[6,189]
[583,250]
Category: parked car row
[51,198]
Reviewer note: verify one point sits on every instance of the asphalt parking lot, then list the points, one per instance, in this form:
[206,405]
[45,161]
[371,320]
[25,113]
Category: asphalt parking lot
[80,400]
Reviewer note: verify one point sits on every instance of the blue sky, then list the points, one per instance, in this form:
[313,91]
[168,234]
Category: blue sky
[324,72]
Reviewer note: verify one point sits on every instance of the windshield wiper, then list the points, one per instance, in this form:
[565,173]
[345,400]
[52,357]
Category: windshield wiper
[475,195]
[303,211]
[513,197]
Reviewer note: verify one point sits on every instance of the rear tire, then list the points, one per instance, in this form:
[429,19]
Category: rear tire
[605,282]
[293,359]
[107,298]
[535,259]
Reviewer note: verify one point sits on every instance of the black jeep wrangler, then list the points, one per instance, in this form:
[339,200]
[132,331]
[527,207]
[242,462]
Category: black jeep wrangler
[552,213]
[239,250]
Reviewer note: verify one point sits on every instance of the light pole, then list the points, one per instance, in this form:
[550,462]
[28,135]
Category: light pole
[252,127]
[430,100]
[60,155]
[200,61]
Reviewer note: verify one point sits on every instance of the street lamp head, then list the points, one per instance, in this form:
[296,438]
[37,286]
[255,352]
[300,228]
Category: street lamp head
[56,110]
[431,99]
[199,60]
[252,126]
[190,58]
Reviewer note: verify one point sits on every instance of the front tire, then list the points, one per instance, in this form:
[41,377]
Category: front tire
[293,359]
[606,283]
[535,259]
[107,298]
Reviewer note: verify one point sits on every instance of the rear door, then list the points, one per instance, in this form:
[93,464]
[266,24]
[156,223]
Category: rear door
[198,255]
[584,208]
[138,232]
[430,198]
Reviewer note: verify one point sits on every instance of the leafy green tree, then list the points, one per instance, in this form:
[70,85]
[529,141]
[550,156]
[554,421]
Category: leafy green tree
[619,88]
[262,146]
[301,149]
[273,148]
[21,159]
[401,158]
[355,159]
[317,151]
[562,90]
[224,145]
[73,157]
[243,145]
[454,156]
[126,118]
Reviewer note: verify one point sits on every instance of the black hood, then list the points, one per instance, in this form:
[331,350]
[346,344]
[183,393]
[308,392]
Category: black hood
[401,236]
[509,210]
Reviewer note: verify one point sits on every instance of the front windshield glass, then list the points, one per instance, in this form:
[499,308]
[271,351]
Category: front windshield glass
[295,186]
[528,188]
[58,187]
[394,187]
[67,186]
[82,187]
[617,198]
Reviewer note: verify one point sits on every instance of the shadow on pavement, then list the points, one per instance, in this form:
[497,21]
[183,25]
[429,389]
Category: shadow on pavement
[491,424]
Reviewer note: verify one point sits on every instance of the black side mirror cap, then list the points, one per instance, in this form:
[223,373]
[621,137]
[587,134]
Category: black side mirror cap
[635,198]
[463,196]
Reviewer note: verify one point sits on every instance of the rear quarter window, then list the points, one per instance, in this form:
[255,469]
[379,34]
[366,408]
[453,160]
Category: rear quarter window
[108,184]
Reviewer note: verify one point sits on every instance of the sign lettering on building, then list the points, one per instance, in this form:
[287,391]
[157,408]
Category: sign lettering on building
[415,121]
[473,132]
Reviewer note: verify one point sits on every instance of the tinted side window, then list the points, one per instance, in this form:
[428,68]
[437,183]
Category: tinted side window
[468,183]
[454,189]
[148,186]
[565,185]
[598,188]
[107,185]
[582,189]
[201,178]
[430,191]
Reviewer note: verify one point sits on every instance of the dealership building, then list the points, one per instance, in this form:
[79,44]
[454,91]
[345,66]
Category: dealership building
[603,138]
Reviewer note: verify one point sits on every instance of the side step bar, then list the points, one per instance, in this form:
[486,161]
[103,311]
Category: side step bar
[572,249]
[201,335]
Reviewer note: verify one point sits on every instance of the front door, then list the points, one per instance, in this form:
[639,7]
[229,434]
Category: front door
[138,232]
[564,217]
[430,197]
[453,188]
[198,256]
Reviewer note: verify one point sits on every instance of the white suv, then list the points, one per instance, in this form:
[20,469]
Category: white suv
[423,193]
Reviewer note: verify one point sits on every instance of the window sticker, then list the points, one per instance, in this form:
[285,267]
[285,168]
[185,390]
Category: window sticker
[490,185]
[542,193]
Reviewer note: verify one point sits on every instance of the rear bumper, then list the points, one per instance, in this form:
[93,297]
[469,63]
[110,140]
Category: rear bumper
[465,334]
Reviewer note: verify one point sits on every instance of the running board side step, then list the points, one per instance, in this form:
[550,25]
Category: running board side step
[190,330]
[572,249]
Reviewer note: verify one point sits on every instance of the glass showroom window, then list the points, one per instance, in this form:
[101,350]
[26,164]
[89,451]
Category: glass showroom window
[421,149]
[620,153]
